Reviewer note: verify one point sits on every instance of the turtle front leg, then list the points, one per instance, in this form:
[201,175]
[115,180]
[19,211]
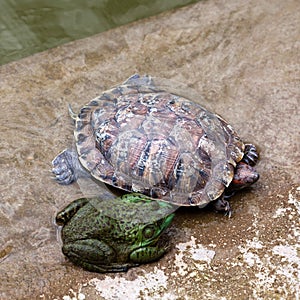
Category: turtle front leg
[250,155]
[222,205]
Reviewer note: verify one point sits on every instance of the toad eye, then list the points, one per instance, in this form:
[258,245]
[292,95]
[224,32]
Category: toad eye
[149,231]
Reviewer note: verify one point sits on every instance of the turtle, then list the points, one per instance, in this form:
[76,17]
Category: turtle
[140,136]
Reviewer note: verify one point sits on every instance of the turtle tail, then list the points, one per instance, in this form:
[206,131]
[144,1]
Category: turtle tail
[72,114]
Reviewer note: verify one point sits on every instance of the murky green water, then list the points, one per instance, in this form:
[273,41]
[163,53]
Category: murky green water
[30,26]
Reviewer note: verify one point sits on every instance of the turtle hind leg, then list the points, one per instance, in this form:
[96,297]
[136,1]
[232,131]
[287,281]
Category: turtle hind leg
[63,167]
[250,155]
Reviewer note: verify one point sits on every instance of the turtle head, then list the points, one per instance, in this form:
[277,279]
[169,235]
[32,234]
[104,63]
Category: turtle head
[244,176]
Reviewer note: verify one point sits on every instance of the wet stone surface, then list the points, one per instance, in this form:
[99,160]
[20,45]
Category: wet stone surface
[243,57]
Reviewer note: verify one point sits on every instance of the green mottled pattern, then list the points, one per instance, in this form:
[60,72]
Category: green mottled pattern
[110,236]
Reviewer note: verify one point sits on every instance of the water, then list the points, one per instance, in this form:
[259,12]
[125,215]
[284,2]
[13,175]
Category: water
[30,26]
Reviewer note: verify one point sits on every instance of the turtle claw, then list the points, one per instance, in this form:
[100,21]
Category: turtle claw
[63,168]
[65,178]
[223,206]
[251,155]
[228,213]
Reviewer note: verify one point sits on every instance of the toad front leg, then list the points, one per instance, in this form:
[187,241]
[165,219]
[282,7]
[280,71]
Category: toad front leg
[147,254]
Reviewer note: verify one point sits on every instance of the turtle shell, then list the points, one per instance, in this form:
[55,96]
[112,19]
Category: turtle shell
[140,137]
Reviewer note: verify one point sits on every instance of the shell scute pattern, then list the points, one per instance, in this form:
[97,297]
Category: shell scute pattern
[141,138]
